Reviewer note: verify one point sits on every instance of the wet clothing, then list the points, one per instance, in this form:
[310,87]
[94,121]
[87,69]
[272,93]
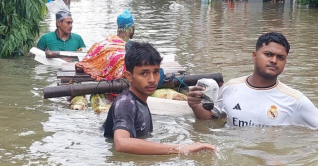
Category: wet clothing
[279,104]
[128,112]
[54,43]
[105,60]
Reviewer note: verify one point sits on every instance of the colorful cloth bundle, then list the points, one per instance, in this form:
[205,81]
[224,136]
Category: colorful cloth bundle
[105,60]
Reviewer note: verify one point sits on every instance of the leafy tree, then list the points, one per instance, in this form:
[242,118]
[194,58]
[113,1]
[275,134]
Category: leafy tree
[311,3]
[19,24]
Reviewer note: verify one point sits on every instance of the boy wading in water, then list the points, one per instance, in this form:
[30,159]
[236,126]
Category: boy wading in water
[129,116]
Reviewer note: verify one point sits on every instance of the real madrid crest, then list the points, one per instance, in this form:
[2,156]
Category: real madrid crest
[272,112]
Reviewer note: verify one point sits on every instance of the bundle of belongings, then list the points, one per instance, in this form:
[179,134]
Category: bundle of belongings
[105,60]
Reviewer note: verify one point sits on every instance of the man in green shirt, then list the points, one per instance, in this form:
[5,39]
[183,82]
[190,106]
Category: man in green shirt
[62,39]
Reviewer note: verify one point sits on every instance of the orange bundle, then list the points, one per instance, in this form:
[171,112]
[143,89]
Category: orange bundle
[105,60]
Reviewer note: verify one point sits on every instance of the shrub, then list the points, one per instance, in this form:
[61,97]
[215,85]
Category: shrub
[311,3]
[19,24]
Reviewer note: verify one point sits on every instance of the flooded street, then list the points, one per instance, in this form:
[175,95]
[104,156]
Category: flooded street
[204,38]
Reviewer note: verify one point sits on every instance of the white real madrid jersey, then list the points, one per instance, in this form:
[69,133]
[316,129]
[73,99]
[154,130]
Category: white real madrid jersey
[276,105]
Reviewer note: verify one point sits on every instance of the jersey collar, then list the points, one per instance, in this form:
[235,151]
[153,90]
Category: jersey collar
[260,88]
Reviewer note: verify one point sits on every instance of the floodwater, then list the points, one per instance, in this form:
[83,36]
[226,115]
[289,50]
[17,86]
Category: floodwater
[204,38]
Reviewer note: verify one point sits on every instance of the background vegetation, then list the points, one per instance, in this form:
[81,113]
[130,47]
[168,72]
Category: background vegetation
[19,24]
[311,3]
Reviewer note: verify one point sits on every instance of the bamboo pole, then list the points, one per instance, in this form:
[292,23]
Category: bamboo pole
[117,86]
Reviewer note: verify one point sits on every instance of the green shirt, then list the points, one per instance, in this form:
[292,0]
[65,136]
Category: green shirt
[54,43]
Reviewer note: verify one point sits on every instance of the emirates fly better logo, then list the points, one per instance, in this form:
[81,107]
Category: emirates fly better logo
[272,112]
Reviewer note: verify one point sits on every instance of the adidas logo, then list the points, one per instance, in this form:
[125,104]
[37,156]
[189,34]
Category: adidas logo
[237,107]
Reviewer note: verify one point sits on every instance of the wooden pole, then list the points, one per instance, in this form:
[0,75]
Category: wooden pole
[117,86]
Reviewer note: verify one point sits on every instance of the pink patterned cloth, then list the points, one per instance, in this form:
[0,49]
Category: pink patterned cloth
[105,60]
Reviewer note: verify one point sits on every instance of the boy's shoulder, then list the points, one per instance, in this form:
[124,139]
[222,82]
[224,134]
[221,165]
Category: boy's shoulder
[125,97]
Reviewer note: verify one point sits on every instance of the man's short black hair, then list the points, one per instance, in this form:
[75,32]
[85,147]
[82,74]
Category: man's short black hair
[272,37]
[141,53]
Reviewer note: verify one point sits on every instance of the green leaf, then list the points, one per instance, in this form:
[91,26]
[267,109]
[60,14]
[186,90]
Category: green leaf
[19,24]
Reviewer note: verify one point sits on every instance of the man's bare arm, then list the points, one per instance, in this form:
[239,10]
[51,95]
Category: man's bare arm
[56,54]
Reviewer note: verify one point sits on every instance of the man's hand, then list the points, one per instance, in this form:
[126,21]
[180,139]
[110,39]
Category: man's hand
[195,96]
[196,147]
[51,54]
[194,101]
[48,53]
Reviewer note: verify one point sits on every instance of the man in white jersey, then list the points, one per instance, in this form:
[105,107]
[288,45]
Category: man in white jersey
[260,99]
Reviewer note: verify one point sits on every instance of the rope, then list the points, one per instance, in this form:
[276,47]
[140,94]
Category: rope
[98,85]
[111,84]
[181,82]
[163,78]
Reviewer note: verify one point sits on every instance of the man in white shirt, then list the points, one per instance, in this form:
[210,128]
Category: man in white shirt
[260,99]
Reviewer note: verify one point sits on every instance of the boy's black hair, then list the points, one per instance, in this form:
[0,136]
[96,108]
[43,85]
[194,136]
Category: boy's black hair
[272,37]
[141,53]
